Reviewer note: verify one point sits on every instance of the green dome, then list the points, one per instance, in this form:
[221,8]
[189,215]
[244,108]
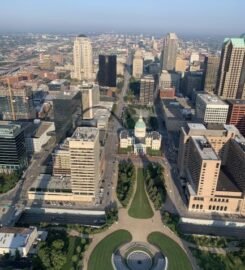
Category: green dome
[140,123]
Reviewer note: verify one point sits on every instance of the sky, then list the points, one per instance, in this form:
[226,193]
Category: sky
[202,17]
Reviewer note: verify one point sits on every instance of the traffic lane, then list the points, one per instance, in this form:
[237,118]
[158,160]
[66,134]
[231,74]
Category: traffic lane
[212,230]
[89,220]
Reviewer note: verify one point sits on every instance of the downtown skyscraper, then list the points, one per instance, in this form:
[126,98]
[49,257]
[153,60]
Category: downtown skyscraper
[231,74]
[169,52]
[107,70]
[82,59]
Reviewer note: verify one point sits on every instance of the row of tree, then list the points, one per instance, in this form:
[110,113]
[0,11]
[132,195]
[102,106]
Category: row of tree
[155,185]
[126,180]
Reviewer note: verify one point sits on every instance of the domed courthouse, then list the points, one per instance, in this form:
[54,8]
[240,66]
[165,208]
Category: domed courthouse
[141,140]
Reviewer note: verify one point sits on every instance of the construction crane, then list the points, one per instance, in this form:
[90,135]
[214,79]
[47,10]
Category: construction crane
[11,101]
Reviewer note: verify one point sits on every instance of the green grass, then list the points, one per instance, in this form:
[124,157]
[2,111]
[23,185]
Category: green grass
[177,259]
[140,206]
[101,255]
[73,243]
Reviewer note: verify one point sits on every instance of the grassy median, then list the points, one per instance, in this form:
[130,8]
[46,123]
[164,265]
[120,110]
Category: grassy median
[140,207]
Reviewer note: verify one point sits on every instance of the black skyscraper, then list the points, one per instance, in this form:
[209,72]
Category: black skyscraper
[107,70]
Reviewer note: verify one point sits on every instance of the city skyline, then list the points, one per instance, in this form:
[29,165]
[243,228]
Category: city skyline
[137,16]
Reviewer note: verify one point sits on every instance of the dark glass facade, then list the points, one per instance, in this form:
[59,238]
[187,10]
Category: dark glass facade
[13,155]
[67,109]
[107,75]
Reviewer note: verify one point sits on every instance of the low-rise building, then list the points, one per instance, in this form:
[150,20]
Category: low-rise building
[13,239]
[167,93]
[176,113]
[141,140]
[211,109]
[38,136]
[236,114]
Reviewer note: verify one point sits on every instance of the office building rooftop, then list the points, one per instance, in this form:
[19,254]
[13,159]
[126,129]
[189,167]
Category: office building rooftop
[8,129]
[87,134]
[204,148]
[211,100]
[13,238]
[46,182]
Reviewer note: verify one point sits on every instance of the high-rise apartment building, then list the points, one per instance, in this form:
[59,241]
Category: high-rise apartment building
[61,160]
[231,74]
[82,59]
[13,155]
[212,160]
[169,52]
[17,104]
[211,64]
[84,150]
[236,115]
[211,109]
[147,87]
[138,64]
[107,75]
[90,98]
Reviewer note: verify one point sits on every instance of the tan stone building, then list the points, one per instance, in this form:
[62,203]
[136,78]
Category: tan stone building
[213,162]
[76,170]
[82,59]
[231,74]
[84,150]
[138,64]
[181,64]
[169,52]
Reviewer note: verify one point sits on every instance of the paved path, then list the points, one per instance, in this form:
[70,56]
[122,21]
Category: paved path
[140,229]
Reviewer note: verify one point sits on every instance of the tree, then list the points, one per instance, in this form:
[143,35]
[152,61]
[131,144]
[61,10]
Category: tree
[78,249]
[58,244]
[74,258]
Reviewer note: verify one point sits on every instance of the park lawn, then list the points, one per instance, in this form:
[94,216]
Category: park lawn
[101,255]
[177,259]
[140,207]
[73,243]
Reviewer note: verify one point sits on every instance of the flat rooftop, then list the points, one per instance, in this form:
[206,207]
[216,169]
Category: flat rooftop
[13,238]
[48,183]
[196,126]
[37,130]
[62,95]
[177,108]
[8,129]
[87,134]
[236,101]
[204,148]
[211,100]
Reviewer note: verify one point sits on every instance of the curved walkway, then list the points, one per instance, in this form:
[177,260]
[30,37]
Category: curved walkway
[140,229]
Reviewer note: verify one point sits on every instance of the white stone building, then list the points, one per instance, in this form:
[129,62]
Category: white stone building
[141,140]
[14,239]
[211,109]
